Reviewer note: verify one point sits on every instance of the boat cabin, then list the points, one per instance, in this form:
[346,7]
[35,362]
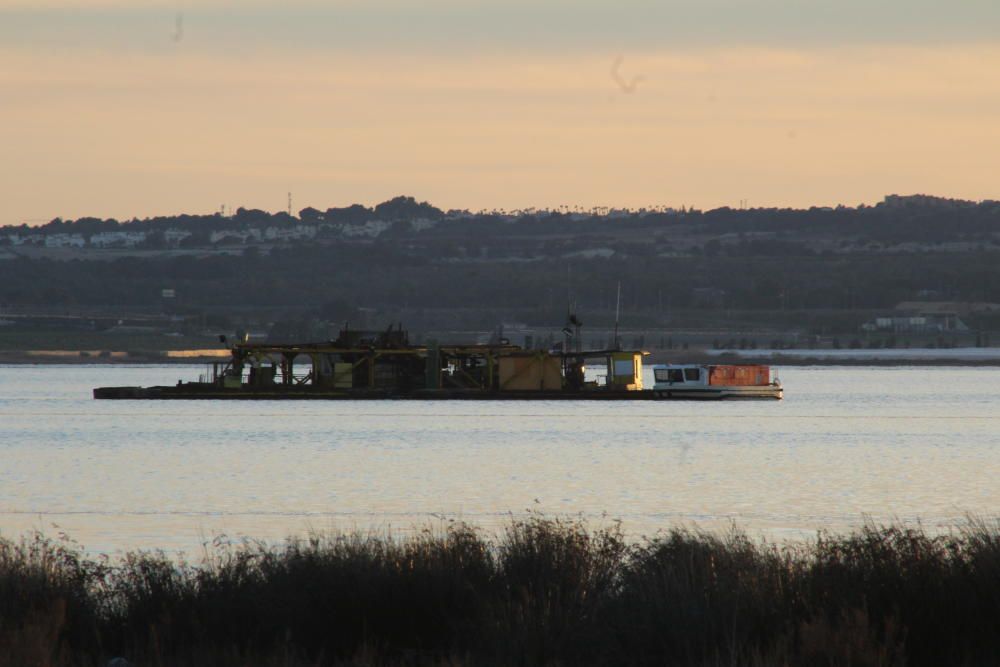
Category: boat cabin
[718,375]
[665,375]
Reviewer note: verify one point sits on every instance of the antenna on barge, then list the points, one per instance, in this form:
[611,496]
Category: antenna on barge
[618,308]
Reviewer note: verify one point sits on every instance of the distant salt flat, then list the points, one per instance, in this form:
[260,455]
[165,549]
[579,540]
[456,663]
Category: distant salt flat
[895,354]
[198,354]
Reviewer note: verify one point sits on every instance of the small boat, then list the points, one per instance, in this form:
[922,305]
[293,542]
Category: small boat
[713,382]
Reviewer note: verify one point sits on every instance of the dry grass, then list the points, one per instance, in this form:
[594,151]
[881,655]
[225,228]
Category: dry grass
[542,592]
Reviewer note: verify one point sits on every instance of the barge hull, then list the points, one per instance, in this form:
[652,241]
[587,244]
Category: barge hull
[711,393]
[214,393]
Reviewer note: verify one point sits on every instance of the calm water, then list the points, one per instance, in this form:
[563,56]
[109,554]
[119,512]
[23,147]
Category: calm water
[900,443]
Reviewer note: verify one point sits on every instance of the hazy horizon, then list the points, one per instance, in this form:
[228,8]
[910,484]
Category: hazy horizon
[114,109]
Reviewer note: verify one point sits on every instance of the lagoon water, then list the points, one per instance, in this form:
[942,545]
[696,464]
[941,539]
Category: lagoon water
[887,443]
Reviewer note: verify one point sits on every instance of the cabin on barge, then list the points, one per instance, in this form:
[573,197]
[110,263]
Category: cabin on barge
[385,365]
[708,382]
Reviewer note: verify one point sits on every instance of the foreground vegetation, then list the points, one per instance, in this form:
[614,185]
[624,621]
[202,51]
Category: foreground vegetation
[541,592]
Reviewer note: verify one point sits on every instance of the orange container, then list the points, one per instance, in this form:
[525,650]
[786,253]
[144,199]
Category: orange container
[739,376]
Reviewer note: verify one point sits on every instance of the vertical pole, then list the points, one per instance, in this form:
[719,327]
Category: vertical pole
[432,368]
[618,306]
[489,371]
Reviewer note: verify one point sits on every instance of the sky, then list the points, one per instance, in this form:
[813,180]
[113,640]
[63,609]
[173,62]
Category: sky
[156,107]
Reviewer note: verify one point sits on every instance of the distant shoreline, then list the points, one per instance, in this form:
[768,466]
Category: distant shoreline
[75,358]
[955,357]
[894,357]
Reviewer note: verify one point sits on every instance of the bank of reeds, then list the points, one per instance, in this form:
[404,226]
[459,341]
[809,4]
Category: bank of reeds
[541,592]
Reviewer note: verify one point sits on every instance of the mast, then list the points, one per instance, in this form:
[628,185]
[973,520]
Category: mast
[618,307]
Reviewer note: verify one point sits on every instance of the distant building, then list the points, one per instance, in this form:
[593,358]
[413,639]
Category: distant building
[26,239]
[961,308]
[234,235]
[175,236]
[64,241]
[294,233]
[939,322]
[117,239]
[371,229]
[930,316]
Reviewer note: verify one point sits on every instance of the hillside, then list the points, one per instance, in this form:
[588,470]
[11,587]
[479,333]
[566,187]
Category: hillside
[817,271]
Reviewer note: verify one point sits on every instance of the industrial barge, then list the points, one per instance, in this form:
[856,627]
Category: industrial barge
[384,365]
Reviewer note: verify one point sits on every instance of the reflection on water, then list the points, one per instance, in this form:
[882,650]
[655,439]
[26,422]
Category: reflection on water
[845,442]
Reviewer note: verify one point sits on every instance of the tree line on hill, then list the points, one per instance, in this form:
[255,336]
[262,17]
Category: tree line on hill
[534,264]
[895,220]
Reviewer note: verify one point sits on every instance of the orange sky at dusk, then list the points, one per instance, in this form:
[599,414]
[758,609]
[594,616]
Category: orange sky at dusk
[121,131]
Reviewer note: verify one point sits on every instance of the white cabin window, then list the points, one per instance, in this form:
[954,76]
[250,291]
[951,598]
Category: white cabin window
[676,375]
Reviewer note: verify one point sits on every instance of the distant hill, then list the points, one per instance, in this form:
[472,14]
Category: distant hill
[896,224]
[406,255]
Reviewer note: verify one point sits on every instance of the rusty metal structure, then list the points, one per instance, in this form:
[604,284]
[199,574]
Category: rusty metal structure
[384,364]
[361,360]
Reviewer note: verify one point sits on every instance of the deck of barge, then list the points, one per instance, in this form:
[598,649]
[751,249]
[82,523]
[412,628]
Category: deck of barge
[212,392]
[385,366]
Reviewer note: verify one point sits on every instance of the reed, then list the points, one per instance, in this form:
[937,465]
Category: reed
[539,592]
